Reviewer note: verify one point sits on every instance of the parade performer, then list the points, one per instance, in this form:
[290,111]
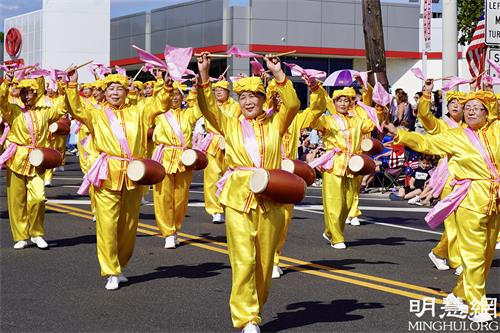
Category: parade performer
[290,145]
[343,132]
[25,185]
[447,248]
[474,200]
[172,135]
[213,146]
[253,225]
[119,135]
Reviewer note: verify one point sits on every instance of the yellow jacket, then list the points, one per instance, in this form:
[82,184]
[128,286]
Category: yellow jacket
[41,115]
[230,108]
[469,164]
[268,131]
[135,117]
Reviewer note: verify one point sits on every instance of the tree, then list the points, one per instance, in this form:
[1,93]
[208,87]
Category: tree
[1,36]
[374,41]
[469,12]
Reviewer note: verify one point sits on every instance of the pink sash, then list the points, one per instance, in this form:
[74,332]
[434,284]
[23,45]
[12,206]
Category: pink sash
[452,123]
[325,161]
[439,177]
[12,147]
[344,130]
[8,153]
[78,126]
[6,130]
[205,143]
[176,127]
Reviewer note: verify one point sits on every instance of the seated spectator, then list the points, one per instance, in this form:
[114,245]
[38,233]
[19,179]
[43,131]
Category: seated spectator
[417,181]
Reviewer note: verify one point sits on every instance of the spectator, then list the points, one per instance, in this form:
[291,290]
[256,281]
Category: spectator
[417,181]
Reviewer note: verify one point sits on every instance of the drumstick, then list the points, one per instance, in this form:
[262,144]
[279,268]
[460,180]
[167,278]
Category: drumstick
[137,74]
[20,69]
[225,71]
[84,64]
[214,55]
[283,54]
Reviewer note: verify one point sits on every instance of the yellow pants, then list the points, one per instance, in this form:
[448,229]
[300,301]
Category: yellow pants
[117,215]
[288,210]
[477,235]
[354,210]
[338,197]
[251,239]
[171,198]
[448,246]
[49,173]
[26,203]
[60,145]
[212,173]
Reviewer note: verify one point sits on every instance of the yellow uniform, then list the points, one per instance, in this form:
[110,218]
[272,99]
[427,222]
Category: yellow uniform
[477,215]
[340,189]
[25,185]
[216,163]
[117,200]
[291,149]
[447,246]
[253,224]
[171,196]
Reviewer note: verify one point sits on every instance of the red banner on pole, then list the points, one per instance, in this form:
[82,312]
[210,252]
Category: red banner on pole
[427,24]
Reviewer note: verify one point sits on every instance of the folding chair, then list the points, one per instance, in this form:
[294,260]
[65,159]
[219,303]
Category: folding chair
[392,170]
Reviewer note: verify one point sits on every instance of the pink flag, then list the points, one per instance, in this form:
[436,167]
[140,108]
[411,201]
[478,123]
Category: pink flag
[148,68]
[189,72]
[418,73]
[364,78]
[177,60]
[491,80]
[235,78]
[372,114]
[121,71]
[495,66]
[257,68]
[380,96]
[308,73]
[239,53]
[453,82]
[38,72]
[149,58]
[52,80]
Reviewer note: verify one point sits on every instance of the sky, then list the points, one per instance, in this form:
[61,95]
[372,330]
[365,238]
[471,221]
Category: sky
[10,8]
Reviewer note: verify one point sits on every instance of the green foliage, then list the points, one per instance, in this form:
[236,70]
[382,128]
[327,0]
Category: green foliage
[1,36]
[469,12]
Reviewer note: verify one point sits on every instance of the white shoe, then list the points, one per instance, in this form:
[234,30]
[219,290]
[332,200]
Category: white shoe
[327,239]
[455,301]
[170,242]
[277,272]
[218,218]
[348,220]
[481,317]
[355,221]
[251,328]
[439,263]
[339,246]
[40,242]
[498,246]
[113,282]
[122,278]
[177,243]
[60,168]
[48,183]
[20,244]
[413,201]
[94,218]
[144,201]
[459,270]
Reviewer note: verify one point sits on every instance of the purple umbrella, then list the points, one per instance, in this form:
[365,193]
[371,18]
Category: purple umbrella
[341,78]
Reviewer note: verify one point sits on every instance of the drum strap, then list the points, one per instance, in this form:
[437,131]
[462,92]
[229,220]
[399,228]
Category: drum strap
[176,127]
[117,130]
[97,172]
[250,140]
[344,130]
[29,123]
[221,182]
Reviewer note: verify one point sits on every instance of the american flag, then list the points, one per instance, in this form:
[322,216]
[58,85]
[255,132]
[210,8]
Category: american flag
[476,52]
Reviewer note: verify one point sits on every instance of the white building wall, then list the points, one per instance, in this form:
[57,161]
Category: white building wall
[31,27]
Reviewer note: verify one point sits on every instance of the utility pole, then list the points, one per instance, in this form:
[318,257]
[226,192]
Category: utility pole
[450,37]
[374,42]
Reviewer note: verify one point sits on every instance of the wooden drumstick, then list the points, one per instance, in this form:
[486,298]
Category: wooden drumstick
[79,66]
[214,55]
[137,74]
[225,71]
[20,69]
[283,54]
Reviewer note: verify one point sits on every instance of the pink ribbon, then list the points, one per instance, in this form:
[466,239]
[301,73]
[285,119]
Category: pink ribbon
[121,71]
[418,73]
[177,60]
[257,68]
[448,205]
[491,80]
[452,123]
[239,53]
[97,173]
[309,74]
[372,114]
[380,96]
[117,130]
[325,161]
[270,112]
[251,146]
[6,130]
[149,58]
[439,178]
[176,127]
[453,82]
[495,66]
[205,143]
[78,126]
[222,182]
[8,153]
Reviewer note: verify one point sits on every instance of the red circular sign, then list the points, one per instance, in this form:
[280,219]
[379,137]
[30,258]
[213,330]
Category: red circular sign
[13,41]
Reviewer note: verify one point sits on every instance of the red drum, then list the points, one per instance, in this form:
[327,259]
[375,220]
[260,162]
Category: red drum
[194,159]
[150,132]
[59,128]
[45,158]
[278,185]
[361,164]
[145,171]
[372,146]
[301,169]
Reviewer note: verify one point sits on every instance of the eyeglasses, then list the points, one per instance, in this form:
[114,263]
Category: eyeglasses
[474,109]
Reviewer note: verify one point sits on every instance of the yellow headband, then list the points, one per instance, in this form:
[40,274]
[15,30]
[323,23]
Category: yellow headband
[487,98]
[149,84]
[28,84]
[458,95]
[253,84]
[87,85]
[178,85]
[221,84]
[139,85]
[347,92]
[116,78]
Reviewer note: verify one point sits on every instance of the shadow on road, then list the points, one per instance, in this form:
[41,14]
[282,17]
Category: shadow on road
[64,242]
[200,271]
[389,241]
[307,313]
